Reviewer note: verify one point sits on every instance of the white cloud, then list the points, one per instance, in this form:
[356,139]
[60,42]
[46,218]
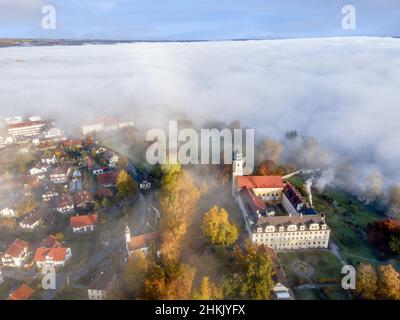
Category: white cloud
[342,91]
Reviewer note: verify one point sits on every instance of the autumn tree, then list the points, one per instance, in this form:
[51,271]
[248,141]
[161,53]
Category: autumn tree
[217,228]
[179,197]
[367,281]
[207,291]
[389,283]
[383,234]
[135,273]
[105,203]
[268,168]
[126,186]
[252,278]
[123,162]
[168,281]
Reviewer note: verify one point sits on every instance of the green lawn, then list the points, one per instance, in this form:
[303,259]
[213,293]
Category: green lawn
[309,294]
[327,268]
[348,220]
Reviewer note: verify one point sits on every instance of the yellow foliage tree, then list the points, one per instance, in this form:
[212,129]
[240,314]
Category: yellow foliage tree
[367,281]
[179,197]
[208,291]
[389,283]
[217,228]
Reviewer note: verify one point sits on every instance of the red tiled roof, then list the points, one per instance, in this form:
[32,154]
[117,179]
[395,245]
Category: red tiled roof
[104,193]
[253,182]
[22,293]
[51,242]
[83,196]
[143,240]
[57,254]
[16,248]
[108,178]
[65,200]
[81,221]
[72,142]
[26,124]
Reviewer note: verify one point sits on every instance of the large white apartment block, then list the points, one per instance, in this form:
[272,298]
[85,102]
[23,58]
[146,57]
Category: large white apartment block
[26,129]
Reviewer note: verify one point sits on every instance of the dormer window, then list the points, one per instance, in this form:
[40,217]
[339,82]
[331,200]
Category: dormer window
[323,227]
[302,228]
[314,226]
[292,228]
[259,230]
[270,229]
[281,229]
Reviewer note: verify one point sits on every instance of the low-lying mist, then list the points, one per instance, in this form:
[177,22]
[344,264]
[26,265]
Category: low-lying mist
[341,92]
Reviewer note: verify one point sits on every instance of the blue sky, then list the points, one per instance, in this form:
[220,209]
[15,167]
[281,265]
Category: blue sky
[197,20]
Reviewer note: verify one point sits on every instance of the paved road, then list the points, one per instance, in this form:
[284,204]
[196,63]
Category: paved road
[62,277]
[316,286]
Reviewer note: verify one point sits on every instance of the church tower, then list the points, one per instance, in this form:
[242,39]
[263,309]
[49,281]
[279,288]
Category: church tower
[237,170]
[127,236]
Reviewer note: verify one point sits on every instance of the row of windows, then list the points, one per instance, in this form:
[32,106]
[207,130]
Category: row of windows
[289,234]
[304,244]
[291,228]
[293,238]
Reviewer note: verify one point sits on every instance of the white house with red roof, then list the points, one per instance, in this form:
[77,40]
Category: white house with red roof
[141,242]
[16,254]
[56,257]
[85,223]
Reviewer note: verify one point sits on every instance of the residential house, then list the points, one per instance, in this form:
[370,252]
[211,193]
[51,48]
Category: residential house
[104,193]
[49,160]
[107,179]
[60,174]
[16,254]
[33,220]
[85,223]
[110,159]
[49,192]
[99,170]
[22,293]
[65,204]
[107,123]
[52,133]
[38,170]
[56,257]
[8,213]
[51,242]
[142,242]
[84,201]
[72,144]
[100,287]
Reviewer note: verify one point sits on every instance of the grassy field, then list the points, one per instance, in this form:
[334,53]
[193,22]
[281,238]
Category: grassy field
[348,218]
[327,267]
